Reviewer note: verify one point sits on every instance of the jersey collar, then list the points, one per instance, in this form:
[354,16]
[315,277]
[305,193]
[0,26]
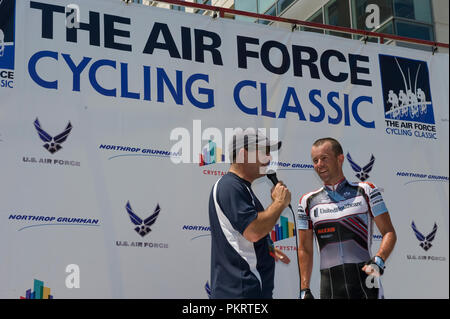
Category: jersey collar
[336,186]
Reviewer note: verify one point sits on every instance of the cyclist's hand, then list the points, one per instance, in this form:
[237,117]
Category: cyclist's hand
[306,294]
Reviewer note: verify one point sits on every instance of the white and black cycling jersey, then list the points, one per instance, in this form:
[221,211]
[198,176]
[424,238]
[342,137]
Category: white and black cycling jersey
[342,219]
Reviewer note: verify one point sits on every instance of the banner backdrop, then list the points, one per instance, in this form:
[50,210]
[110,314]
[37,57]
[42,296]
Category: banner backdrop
[113,126]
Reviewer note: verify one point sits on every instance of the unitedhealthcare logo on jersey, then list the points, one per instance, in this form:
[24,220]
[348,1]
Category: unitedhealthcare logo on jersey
[52,140]
[408,106]
[142,226]
[7,46]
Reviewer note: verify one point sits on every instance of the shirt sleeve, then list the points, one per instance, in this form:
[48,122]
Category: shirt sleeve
[303,219]
[237,204]
[376,202]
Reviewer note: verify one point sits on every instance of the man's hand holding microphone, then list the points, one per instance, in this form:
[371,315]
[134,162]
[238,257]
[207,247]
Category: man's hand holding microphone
[280,193]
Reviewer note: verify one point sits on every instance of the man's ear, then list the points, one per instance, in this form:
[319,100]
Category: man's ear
[241,155]
[341,159]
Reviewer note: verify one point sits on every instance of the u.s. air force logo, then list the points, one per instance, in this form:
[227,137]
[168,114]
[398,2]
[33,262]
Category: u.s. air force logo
[142,226]
[361,172]
[52,144]
[425,240]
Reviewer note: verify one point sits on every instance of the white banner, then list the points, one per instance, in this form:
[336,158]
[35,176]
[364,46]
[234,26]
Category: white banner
[113,123]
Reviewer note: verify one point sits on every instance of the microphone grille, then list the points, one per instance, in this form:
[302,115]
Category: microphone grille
[272,175]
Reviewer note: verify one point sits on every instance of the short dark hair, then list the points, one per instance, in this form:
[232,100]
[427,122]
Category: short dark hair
[235,151]
[247,147]
[335,145]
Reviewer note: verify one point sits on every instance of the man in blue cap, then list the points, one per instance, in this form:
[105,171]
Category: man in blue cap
[242,263]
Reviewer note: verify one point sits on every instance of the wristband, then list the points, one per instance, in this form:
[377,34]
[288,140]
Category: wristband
[380,262]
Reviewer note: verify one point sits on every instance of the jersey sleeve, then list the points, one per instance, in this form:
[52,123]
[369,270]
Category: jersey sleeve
[237,205]
[374,198]
[303,219]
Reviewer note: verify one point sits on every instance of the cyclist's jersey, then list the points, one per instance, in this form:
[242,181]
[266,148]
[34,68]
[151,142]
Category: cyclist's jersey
[342,219]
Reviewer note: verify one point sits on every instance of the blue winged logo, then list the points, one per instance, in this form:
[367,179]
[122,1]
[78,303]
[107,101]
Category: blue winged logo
[143,226]
[52,144]
[208,290]
[361,173]
[425,241]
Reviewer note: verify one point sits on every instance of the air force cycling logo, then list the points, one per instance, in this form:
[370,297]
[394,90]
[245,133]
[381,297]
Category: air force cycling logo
[408,106]
[7,22]
[361,173]
[425,241]
[52,144]
[7,46]
[143,226]
[406,89]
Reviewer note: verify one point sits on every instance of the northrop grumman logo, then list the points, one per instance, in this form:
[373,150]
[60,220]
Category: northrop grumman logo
[52,144]
[408,106]
[142,226]
[361,172]
[425,240]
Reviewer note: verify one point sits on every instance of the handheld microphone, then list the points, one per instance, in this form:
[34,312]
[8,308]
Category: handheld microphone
[272,175]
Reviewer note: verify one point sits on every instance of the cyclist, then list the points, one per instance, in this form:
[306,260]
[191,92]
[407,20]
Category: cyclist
[341,215]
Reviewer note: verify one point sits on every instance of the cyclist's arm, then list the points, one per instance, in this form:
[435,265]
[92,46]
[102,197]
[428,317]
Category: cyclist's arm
[382,220]
[387,230]
[305,256]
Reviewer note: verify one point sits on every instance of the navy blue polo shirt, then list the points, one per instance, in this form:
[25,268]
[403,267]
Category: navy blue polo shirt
[239,268]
